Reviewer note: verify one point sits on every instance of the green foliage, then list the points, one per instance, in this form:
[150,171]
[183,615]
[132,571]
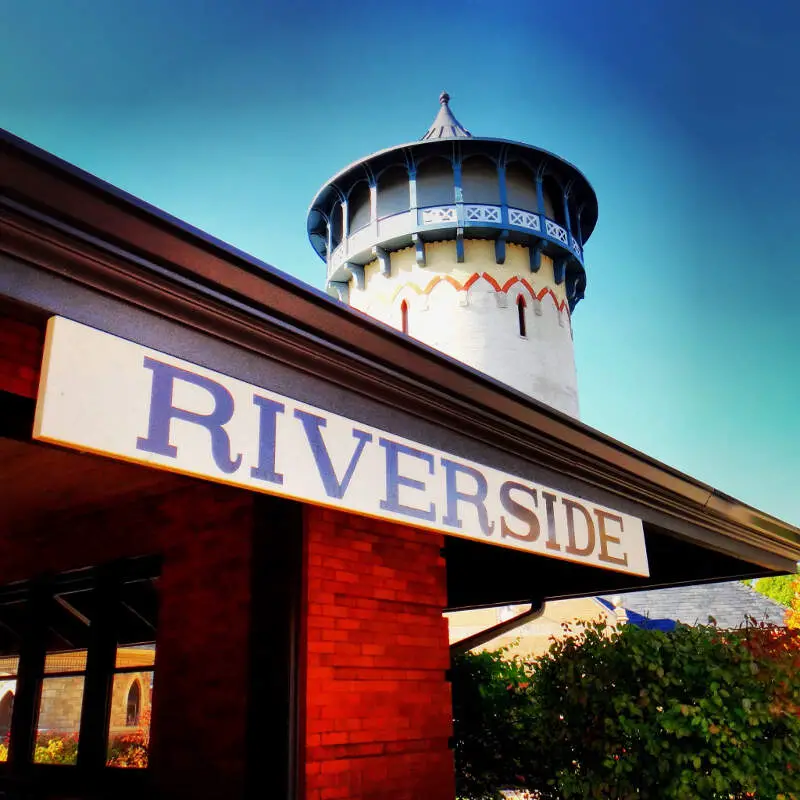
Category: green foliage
[132,748]
[693,714]
[56,748]
[490,706]
[780,589]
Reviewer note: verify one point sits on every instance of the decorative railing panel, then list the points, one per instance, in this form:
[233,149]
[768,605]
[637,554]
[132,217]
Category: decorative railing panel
[362,238]
[438,214]
[525,219]
[338,256]
[397,229]
[396,224]
[482,213]
[556,231]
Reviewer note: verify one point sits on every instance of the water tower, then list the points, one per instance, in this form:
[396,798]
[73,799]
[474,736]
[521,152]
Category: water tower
[472,245]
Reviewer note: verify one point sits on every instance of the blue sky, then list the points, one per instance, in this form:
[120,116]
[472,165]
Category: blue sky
[684,115]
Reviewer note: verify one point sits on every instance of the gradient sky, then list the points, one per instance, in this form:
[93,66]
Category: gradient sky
[684,115]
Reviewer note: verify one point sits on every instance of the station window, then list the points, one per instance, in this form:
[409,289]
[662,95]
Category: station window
[68,620]
[134,671]
[77,665]
[11,616]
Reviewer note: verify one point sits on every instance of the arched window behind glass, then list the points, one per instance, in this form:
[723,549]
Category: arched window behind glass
[6,709]
[134,704]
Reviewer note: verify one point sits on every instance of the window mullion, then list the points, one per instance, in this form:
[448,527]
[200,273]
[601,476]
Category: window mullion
[29,680]
[99,672]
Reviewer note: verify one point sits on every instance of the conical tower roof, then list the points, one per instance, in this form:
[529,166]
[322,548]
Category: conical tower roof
[446,126]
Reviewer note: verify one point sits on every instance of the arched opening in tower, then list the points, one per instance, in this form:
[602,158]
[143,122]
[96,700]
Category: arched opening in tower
[358,207]
[479,181]
[521,186]
[393,192]
[336,225]
[553,200]
[435,185]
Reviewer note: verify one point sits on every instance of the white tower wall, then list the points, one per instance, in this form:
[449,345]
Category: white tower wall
[474,246]
[469,311]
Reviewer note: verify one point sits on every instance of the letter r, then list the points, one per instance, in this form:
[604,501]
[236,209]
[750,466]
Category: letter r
[163,411]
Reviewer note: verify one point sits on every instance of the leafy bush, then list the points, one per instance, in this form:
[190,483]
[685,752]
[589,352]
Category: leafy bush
[490,706]
[131,749]
[692,714]
[793,615]
[56,748]
[125,750]
[781,588]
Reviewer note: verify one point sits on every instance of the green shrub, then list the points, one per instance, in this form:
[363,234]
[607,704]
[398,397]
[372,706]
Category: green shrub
[56,748]
[490,707]
[692,714]
[781,588]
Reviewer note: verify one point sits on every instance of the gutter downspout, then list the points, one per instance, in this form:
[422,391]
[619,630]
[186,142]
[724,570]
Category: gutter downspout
[477,639]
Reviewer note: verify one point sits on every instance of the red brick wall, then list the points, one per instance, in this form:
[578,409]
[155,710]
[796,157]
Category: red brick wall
[379,709]
[202,665]
[378,705]
[204,532]
[20,356]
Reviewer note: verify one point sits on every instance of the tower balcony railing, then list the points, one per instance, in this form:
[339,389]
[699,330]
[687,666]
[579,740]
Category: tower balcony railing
[395,230]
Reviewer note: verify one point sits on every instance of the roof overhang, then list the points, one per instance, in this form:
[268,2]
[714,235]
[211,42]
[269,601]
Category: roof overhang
[68,223]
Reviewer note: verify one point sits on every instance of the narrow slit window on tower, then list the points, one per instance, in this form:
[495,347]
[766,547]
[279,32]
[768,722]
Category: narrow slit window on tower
[521,304]
[404,316]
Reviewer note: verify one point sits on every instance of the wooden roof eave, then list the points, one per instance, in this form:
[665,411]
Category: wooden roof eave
[70,223]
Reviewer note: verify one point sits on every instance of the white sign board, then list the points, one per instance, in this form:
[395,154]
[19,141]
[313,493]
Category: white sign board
[107,395]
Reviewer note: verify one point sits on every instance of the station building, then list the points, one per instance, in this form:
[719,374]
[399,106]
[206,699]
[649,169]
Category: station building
[234,508]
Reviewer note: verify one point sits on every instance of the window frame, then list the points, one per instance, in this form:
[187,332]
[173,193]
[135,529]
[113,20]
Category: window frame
[38,594]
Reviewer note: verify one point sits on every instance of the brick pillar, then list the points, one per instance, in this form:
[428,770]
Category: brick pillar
[202,666]
[20,356]
[379,711]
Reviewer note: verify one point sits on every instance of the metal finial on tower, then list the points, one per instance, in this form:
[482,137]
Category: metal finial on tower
[446,126]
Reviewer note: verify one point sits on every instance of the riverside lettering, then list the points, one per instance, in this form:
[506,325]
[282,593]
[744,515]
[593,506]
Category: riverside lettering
[418,485]
[103,394]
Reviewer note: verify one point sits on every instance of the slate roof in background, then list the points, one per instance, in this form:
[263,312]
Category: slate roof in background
[729,603]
